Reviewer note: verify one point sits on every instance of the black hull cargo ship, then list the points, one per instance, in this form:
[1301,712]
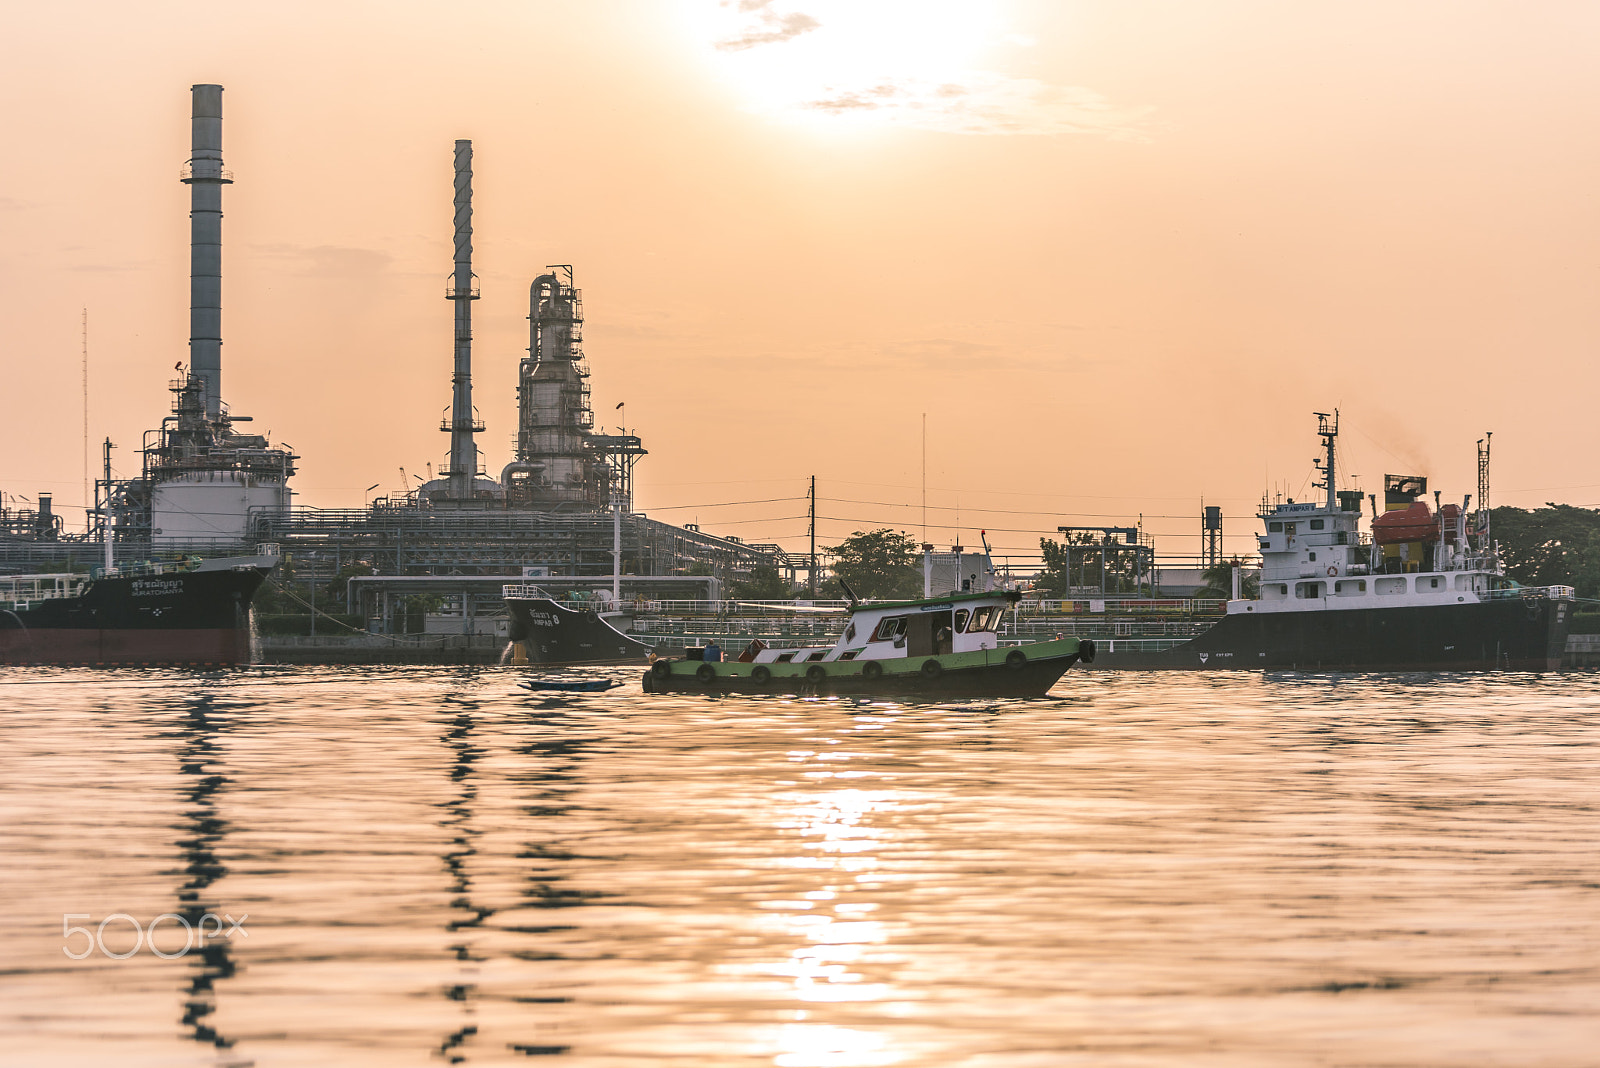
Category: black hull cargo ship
[552,633]
[153,615]
[1524,631]
[1426,592]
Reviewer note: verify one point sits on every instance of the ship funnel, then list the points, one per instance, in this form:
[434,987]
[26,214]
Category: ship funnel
[204,176]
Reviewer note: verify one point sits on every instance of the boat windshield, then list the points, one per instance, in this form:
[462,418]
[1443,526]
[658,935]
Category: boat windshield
[961,619]
[890,629]
[985,618]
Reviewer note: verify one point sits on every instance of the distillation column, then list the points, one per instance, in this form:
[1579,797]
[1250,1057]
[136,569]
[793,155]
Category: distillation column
[463,424]
[205,178]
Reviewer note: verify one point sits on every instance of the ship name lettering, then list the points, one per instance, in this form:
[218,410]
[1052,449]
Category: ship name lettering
[156,587]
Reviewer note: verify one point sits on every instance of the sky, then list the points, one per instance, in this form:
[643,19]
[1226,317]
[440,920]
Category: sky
[1113,254]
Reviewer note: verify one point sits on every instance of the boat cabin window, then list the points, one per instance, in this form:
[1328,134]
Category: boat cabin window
[1313,558]
[1275,528]
[961,620]
[1316,524]
[851,655]
[1434,583]
[1275,590]
[818,655]
[985,619]
[889,628]
[1389,586]
[1350,587]
[1308,589]
[784,658]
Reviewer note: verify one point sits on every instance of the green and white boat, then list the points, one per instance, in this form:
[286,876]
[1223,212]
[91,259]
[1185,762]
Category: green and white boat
[933,647]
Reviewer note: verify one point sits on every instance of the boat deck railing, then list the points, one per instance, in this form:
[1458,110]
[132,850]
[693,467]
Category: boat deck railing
[22,591]
[834,609]
[1532,593]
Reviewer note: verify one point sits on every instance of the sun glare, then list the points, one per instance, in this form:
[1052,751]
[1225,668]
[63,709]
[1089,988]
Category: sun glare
[844,59]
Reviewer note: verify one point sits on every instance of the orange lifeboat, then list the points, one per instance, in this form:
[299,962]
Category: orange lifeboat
[1416,523]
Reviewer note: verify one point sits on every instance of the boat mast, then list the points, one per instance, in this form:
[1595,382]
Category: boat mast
[1484,544]
[105,519]
[1328,428]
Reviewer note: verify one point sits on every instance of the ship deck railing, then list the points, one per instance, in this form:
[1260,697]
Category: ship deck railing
[144,568]
[1063,610]
[1532,593]
[22,591]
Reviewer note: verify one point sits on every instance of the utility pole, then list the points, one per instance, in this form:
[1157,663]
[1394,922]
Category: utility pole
[86,406]
[813,516]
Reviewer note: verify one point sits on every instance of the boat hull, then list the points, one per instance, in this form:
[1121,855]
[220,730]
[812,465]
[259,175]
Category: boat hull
[986,673]
[198,618]
[1510,634]
[555,634]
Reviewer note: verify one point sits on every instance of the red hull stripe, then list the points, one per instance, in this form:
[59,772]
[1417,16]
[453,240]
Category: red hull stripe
[190,648]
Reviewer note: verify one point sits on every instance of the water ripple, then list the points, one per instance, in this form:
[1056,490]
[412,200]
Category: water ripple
[434,866]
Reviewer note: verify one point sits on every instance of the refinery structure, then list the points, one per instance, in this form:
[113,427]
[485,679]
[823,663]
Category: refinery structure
[561,510]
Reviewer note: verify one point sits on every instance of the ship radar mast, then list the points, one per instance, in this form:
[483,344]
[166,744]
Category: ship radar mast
[1328,429]
[1485,545]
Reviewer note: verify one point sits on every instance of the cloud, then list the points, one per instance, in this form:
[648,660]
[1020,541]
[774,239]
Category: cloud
[764,26]
[330,260]
[111,268]
[983,102]
[955,355]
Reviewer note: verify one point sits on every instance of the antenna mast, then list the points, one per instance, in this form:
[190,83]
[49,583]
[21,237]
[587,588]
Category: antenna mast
[1328,429]
[1484,544]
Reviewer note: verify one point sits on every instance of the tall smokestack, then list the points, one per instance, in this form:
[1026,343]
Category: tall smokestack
[462,425]
[205,178]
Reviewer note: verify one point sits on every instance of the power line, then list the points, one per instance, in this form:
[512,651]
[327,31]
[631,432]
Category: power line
[724,504]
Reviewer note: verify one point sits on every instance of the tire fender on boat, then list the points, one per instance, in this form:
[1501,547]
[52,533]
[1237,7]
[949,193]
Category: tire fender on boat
[1015,659]
[661,669]
[1086,650]
[761,674]
[932,669]
[816,673]
[706,673]
[872,670]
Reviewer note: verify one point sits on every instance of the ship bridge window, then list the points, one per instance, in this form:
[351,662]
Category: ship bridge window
[1275,528]
[1316,524]
[1385,586]
[961,619]
[890,628]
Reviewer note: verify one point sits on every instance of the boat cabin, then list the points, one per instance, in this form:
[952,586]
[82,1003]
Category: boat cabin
[954,623]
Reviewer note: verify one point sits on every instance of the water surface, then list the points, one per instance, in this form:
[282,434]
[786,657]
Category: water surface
[1142,869]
